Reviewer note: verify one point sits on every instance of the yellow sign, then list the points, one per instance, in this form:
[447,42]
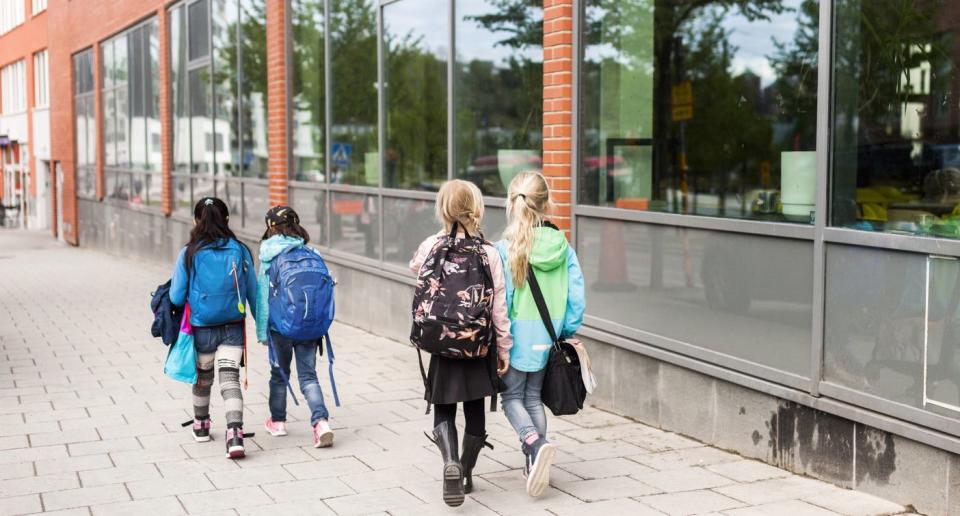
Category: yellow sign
[682,113]
[682,93]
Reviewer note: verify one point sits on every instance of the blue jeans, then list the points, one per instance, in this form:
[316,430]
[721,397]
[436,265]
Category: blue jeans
[208,338]
[306,354]
[521,402]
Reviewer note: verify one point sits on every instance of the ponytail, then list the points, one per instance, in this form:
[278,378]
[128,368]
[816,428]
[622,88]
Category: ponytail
[528,200]
[210,224]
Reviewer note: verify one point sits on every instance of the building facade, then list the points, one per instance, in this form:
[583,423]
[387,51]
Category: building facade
[764,194]
[26,189]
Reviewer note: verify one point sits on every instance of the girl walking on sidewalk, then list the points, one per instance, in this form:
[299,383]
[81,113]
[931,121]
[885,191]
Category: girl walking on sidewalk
[214,273]
[532,244]
[463,380]
[284,233]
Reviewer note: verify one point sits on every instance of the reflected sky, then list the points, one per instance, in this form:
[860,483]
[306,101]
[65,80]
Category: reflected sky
[426,20]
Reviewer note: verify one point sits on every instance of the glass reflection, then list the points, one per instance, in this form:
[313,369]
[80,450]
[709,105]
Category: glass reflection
[704,108]
[225,113]
[311,206]
[353,46]
[406,223]
[897,118]
[308,115]
[416,37]
[253,87]
[499,92]
[354,224]
[745,296]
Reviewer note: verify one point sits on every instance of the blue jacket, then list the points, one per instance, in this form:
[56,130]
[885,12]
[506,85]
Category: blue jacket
[561,281]
[269,249]
[182,289]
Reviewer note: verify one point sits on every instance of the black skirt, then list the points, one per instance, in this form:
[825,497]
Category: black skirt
[453,380]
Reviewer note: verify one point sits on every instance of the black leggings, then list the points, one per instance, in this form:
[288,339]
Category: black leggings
[473,413]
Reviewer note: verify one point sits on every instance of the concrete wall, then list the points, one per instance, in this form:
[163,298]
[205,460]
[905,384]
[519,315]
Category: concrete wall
[720,413]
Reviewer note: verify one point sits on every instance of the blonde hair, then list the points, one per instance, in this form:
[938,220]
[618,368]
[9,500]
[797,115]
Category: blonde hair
[528,201]
[460,201]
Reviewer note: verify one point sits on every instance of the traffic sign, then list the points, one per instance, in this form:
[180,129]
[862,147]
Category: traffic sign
[340,155]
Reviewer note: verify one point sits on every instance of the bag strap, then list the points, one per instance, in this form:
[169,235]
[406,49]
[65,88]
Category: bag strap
[423,373]
[541,304]
[333,382]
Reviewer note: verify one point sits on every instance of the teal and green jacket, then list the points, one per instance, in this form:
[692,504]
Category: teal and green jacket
[561,280]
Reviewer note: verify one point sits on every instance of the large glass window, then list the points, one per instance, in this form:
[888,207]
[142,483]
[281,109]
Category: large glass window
[896,120]
[704,108]
[218,85]
[354,155]
[416,43]
[498,92]
[131,111]
[85,131]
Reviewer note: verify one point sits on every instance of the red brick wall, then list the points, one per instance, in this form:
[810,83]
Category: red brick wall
[277,119]
[77,25]
[558,104]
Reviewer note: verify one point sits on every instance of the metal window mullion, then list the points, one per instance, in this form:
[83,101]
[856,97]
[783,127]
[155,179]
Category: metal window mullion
[328,96]
[212,116]
[824,98]
[238,106]
[451,56]
[381,123]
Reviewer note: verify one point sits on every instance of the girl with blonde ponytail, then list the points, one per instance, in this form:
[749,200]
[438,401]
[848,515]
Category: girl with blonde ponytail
[468,381]
[531,244]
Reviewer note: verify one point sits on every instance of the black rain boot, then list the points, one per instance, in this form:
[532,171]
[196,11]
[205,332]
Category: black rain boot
[472,445]
[445,437]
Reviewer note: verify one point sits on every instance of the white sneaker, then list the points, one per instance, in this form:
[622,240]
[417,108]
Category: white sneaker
[322,434]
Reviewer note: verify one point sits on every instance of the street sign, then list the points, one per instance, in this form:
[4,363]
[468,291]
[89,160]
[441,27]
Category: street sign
[682,93]
[340,154]
[682,113]
[681,100]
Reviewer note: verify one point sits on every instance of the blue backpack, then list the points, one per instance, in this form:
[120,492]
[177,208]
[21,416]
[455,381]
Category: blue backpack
[301,303]
[301,294]
[219,277]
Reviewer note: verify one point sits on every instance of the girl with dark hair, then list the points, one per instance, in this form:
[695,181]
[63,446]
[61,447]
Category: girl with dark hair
[214,273]
[284,233]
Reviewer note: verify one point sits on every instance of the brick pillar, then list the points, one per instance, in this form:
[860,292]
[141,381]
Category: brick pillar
[277,91]
[558,104]
[98,116]
[166,132]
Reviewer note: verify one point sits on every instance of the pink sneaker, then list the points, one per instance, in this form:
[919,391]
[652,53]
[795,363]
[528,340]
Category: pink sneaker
[322,434]
[275,428]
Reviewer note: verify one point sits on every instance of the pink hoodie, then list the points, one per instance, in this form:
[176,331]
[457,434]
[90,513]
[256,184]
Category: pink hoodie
[500,320]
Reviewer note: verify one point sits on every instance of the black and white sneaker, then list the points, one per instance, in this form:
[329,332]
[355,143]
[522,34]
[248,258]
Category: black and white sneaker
[539,459]
[234,439]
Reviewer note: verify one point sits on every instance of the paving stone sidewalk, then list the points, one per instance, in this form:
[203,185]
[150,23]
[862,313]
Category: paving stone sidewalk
[89,425]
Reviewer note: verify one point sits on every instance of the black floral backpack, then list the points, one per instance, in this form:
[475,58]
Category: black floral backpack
[453,300]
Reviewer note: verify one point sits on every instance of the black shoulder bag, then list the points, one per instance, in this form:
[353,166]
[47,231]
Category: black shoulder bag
[563,390]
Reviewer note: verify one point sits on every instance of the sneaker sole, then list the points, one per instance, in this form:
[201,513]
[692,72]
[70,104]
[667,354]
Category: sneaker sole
[326,440]
[274,434]
[199,439]
[539,477]
[453,485]
[236,452]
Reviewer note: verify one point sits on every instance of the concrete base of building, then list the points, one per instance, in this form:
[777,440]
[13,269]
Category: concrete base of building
[719,413]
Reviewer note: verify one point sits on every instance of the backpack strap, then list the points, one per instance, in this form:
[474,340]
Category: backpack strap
[275,363]
[333,382]
[541,304]
[423,373]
